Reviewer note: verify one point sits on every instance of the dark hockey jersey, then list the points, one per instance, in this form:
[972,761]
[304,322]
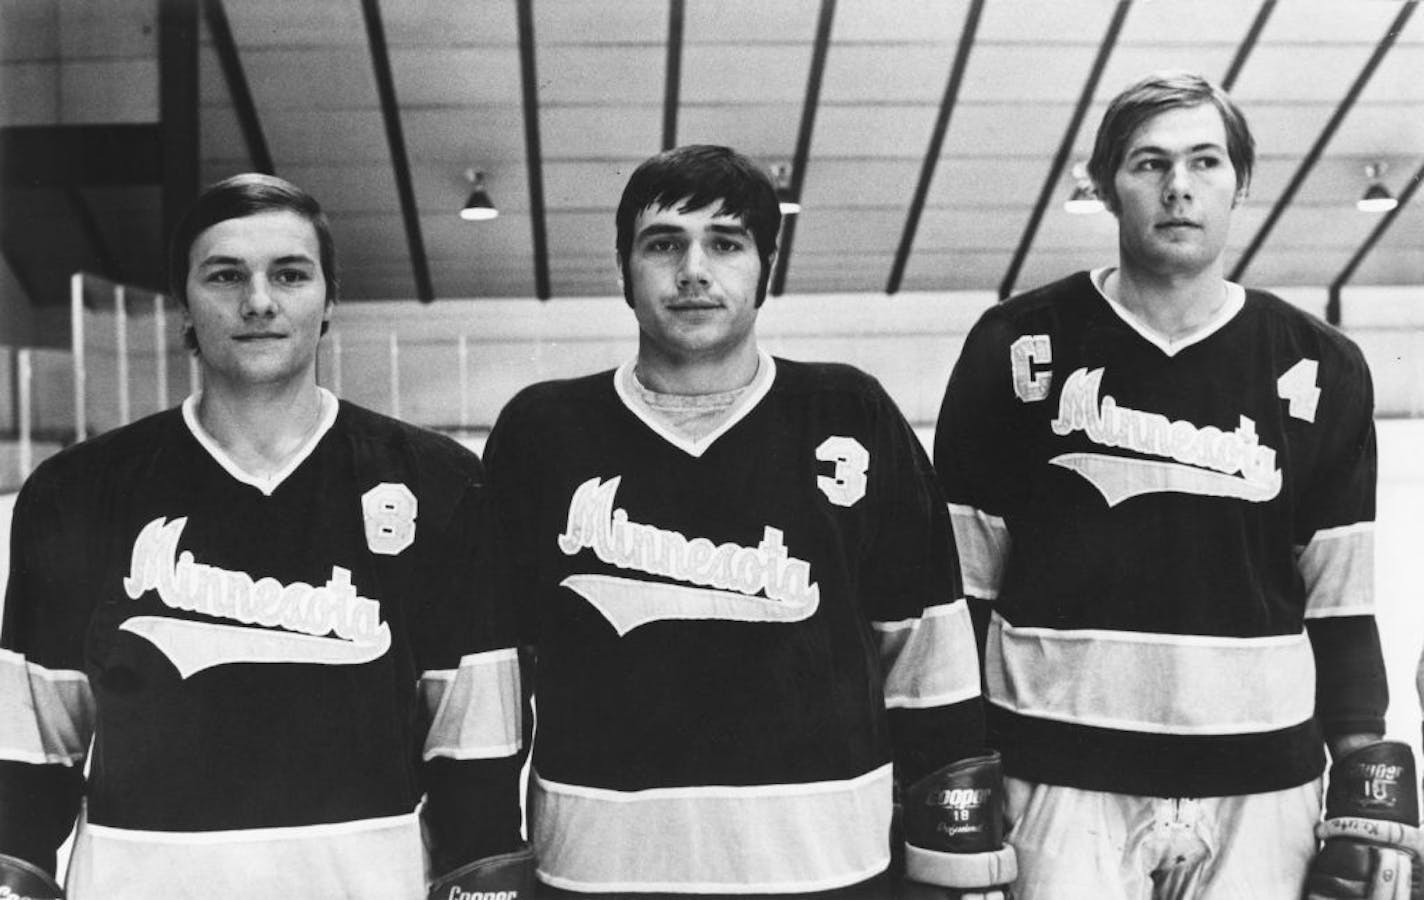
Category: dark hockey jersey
[1177,541]
[721,625]
[262,665]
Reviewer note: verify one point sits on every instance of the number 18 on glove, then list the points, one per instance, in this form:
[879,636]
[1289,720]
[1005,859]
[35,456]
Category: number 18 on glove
[1371,844]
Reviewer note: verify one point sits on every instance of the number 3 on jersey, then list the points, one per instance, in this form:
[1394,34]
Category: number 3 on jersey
[389,509]
[847,485]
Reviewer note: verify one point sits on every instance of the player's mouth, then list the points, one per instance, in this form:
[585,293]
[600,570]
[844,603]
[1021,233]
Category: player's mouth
[1171,224]
[693,304]
[258,336]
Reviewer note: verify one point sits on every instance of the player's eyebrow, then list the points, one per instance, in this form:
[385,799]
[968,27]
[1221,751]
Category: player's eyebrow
[656,229]
[730,230]
[1154,150]
[288,260]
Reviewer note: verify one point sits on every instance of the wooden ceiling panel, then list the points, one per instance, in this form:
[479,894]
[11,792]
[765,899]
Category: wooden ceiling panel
[1313,22]
[456,76]
[899,22]
[968,227]
[443,23]
[220,145]
[1131,62]
[1379,128]
[880,130]
[343,188]
[818,273]
[759,73]
[503,241]
[747,22]
[29,93]
[1279,266]
[955,270]
[763,131]
[1009,183]
[1401,265]
[831,230]
[1008,73]
[487,138]
[576,132]
[108,30]
[1044,22]
[1290,73]
[29,30]
[1031,130]
[299,136]
[285,78]
[603,21]
[310,23]
[580,233]
[587,184]
[859,183]
[889,73]
[1191,24]
[594,75]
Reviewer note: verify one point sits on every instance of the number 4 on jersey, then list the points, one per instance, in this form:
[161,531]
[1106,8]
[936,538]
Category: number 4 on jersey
[1298,385]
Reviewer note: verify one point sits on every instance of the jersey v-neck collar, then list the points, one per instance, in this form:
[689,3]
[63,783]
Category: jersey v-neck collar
[760,384]
[1235,301]
[268,485]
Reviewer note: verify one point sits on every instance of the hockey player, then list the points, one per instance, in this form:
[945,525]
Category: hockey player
[253,618]
[1162,486]
[739,580]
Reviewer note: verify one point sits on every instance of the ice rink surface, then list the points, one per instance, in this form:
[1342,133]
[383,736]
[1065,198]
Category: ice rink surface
[1399,578]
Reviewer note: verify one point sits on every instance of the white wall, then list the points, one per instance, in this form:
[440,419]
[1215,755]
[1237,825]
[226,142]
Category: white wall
[909,341]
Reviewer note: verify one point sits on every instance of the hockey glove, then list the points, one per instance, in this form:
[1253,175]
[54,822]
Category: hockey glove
[1371,840]
[20,880]
[509,876]
[954,832]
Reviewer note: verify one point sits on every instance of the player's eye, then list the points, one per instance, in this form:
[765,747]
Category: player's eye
[727,245]
[1209,161]
[1151,164]
[661,245]
[293,276]
[223,276]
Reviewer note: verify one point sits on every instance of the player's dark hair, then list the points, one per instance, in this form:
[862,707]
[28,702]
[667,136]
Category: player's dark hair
[698,176]
[236,198]
[1151,96]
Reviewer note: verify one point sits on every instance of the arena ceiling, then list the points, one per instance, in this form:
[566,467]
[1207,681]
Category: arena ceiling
[931,141]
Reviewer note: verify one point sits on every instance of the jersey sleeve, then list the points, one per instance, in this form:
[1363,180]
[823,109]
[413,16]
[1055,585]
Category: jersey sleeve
[470,695]
[916,603]
[46,704]
[1334,535]
[971,440]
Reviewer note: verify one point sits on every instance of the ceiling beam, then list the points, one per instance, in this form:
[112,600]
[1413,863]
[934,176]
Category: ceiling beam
[1065,148]
[673,88]
[221,31]
[1243,52]
[1332,306]
[89,155]
[534,153]
[1313,155]
[803,138]
[395,137]
[941,126]
[178,120]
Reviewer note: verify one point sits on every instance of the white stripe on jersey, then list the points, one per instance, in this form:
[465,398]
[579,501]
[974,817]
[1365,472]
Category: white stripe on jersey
[929,661]
[983,542]
[474,710]
[1338,569]
[46,715]
[713,839]
[1154,683]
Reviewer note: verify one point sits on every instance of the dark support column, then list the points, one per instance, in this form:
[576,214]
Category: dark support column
[178,106]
